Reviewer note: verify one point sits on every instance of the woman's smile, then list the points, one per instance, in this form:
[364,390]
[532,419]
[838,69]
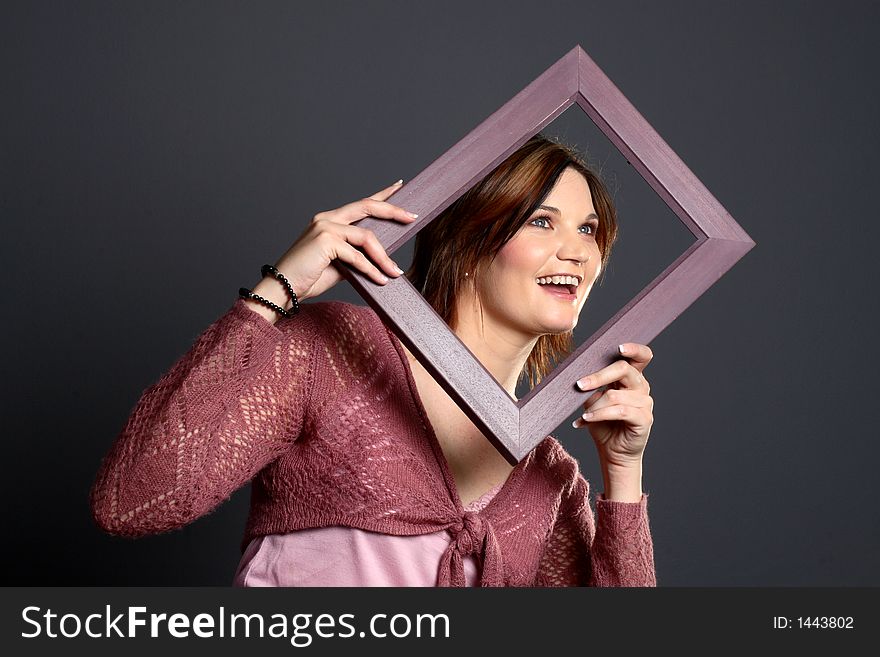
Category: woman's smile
[561,292]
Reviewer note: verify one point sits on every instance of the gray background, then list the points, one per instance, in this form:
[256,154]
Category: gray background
[155,155]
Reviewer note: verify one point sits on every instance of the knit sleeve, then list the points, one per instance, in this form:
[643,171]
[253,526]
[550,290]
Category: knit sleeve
[228,407]
[613,549]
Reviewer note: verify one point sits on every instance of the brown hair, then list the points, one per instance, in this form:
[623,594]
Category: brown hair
[468,234]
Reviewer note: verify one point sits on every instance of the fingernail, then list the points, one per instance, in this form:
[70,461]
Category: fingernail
[575,424]
[583,384]
[384,278]
[587,415]
[621,349]
[413,215]
[399,182]
[398,270]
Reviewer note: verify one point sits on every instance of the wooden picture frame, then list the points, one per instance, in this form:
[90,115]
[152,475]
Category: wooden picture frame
[516,427]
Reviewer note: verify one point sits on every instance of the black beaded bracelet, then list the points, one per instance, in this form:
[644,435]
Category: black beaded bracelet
[267,270]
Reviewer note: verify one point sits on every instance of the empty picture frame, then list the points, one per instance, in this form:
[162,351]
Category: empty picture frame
[516,427]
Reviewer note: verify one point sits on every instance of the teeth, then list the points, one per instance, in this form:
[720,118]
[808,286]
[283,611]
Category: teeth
[563,280]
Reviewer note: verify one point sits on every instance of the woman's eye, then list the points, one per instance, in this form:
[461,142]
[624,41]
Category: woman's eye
[592,227]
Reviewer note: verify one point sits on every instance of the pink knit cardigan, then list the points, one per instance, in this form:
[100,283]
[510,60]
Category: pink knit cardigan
[322,412]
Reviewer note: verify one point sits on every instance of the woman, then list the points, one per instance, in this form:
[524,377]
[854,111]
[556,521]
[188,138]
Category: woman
[365,472]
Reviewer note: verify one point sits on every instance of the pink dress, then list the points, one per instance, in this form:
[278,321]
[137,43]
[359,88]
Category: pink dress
[345,556]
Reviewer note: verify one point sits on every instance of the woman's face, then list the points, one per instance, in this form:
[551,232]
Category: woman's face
[558,238]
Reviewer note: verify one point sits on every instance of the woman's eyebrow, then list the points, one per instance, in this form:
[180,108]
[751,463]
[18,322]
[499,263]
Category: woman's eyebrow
[550,208]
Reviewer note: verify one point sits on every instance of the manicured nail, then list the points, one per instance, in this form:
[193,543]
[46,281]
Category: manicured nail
[413,215]
[575,423]
[583,383]
[399,182]
[587,415]
[398,270]
[621,349]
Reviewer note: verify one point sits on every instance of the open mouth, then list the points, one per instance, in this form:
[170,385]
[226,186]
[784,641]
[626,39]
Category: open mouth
[561,287]
[561,290]
[565,285]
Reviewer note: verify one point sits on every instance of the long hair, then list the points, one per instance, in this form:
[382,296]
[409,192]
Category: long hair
[468,234]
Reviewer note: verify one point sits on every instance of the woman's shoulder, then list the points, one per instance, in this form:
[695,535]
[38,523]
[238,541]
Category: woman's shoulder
[348,331]
[553,461]
[335,317]
[551,453]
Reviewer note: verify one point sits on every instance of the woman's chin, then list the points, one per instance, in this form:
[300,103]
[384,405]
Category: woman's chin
[560,325]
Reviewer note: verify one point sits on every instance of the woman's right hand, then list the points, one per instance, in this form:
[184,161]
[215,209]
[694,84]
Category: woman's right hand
[306,264]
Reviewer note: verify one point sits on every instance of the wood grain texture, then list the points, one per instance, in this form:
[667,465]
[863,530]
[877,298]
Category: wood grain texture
[516,427]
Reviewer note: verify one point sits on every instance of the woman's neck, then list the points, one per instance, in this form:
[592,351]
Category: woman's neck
[501,349]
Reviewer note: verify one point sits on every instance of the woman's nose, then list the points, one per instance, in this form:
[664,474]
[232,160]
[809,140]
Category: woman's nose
[574,247]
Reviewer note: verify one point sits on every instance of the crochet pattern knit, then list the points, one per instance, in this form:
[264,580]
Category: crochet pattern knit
[322,412]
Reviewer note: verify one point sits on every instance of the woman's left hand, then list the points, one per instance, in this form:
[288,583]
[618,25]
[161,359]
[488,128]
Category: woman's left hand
[622,414]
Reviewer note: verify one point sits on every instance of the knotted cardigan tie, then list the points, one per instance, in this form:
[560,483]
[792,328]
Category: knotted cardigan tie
[473,534]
